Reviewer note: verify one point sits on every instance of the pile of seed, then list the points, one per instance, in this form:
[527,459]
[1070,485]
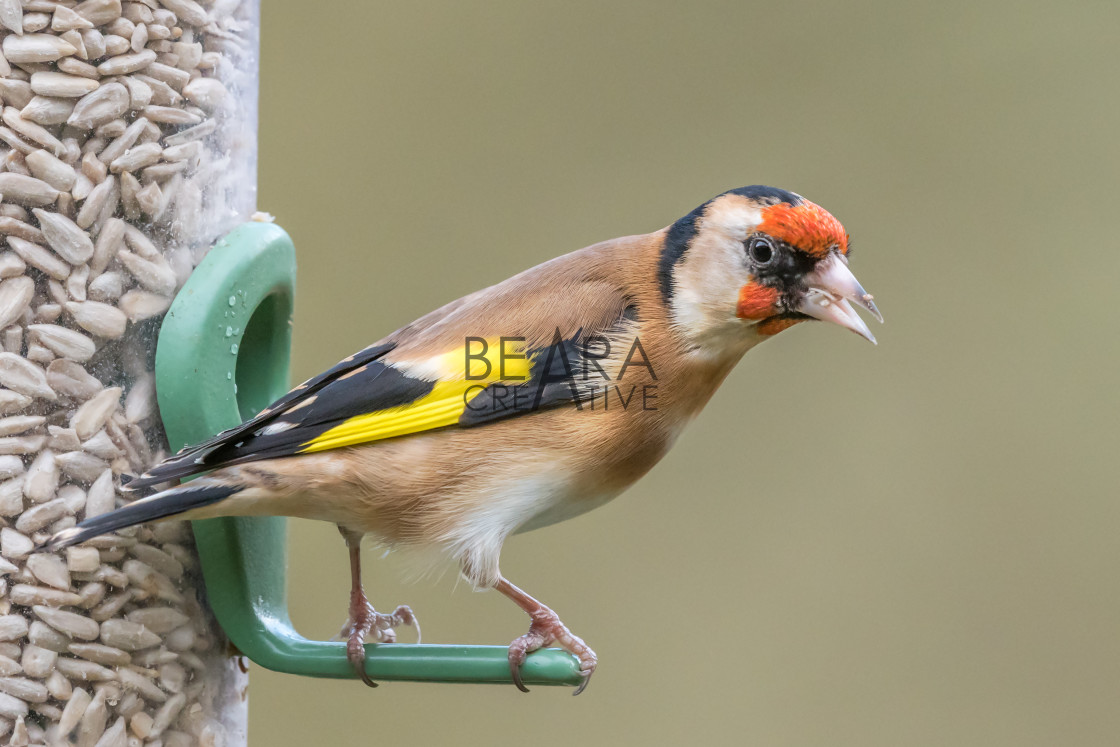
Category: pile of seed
[126,136]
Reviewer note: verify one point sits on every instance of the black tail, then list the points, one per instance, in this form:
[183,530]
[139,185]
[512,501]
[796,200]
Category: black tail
[159,506]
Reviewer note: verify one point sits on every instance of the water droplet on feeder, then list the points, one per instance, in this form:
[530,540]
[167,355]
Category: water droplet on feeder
[229,331]
[232,300]
[229,375]
[233,348]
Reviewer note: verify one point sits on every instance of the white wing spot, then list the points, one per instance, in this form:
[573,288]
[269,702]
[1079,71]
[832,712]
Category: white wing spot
[274,428]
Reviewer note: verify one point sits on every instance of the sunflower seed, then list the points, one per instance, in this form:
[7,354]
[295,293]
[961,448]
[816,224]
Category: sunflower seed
[24,377]
[15,299]
[114,736]
[141,725]
[171,115]
[92,725]
[71,380]
[136,158]
[81,467]
[15,424]
[192,133]
[75,707]
[101,498]
[12,707]
[10,263]
[86,671]
[47,637]
[11,493]
[10,466]
[150,199]
[74,66]
[35,48]
[49,83]
[93,41]
[37,662]
[120,145]
[92,416]
[103,195]
[135,681]
[99,653]
[82,559]
[92,167]
[102,105]
[101,445]
[46,110]
[50,569]
[13,544]
[12,627]
[37,517]
[65,19]
[106,287]
[117,45]
[139,305]
[99,12]
[161,93]
[167,713]
[9,666]
[21,444]
[50,169]
[24,689]
[68,623]
[130,187]
[124,64]
[65,237]
[207,94]
[30,131]
[11,15]
[63,342]
[74,497]
[101,319]
[126,635]
[154,274]
[139,404]
[158,619]
[26,190]
[41,483]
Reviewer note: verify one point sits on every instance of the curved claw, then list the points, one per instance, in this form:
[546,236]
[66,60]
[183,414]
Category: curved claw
[515,674]
[547,629]
[366,621]
[583,685]
[356,653]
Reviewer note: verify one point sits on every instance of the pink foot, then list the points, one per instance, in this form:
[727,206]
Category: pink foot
[546,629]
[366,622]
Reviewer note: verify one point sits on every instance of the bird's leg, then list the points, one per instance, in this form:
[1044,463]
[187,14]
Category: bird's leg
[364,620]
[545,629]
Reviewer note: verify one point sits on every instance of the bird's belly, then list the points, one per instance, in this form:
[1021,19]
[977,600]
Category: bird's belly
[568,507]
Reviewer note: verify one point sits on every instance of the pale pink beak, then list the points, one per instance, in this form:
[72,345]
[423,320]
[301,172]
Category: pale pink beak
[832,287]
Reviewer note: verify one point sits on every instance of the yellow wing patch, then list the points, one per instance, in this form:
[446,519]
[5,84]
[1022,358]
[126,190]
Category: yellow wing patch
[439,408]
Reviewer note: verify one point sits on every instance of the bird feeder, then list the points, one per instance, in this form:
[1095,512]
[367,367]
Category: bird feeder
[132,270]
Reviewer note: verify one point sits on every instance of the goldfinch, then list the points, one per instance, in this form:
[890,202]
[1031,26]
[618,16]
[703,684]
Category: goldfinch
[522,404]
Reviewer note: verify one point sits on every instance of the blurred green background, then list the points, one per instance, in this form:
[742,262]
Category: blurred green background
[910,544]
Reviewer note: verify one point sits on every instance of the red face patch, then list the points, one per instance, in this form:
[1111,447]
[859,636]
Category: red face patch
[808,226]
[776,325]
[756,301]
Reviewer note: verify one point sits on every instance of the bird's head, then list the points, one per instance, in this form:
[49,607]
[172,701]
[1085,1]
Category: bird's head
[755,261]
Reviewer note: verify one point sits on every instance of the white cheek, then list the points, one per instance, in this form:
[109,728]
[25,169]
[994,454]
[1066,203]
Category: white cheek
[733,220]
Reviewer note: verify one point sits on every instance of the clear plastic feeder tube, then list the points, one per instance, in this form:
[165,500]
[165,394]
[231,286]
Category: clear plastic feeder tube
[127,146]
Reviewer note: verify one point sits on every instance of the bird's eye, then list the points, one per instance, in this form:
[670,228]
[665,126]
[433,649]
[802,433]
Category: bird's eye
[761,251]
